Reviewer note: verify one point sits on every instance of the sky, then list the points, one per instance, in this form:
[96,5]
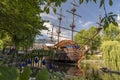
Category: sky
[89,16]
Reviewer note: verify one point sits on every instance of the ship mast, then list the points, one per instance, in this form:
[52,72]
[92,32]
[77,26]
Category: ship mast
[52,34]
[51,37]
[60,19]
[73,10]
[98,30]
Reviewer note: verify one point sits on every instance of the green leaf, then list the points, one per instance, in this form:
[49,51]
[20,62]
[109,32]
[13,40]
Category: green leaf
[47,10]
[25,74]
[110,2]
[54,9]
[63,0]
[58,3]
[102,19]
[113,15]
[115,23]
[87,1]
[42,75]
[109,19]
[106,24]
[95,1]
[45,7]
[101,3]
[110,13]
[80,1]
[112,18]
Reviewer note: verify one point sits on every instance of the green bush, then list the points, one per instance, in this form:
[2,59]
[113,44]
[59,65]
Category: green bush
[25,75]
[42,75]
[9,73]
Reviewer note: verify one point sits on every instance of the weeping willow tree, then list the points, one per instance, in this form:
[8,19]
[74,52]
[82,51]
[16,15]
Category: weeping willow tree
[111,57]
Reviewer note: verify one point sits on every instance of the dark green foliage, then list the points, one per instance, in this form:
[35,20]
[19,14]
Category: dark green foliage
[54,9]
[95,1]
[53,4]
[87,1]
[110,2]
[21,21]
[81,1]
[9,73]
[107,19]
[102,2]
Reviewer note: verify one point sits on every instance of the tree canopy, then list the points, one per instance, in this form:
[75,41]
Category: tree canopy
[20,19]
[112,33]
[84,35]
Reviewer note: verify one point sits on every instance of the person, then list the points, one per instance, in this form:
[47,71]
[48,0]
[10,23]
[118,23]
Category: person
[23,64]
[29,61]
[12,50]
[36,60]
[3,50]
[43,62]
[51,67]
[86,49]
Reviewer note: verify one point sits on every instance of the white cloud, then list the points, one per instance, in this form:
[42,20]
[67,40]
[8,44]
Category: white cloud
[49,16]
[80,21]
[66,33]
[48,25]
[83,25]
[86,24]
[46,34]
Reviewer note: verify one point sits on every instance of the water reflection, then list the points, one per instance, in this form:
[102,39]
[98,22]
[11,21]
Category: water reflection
[87,71]
[69,69]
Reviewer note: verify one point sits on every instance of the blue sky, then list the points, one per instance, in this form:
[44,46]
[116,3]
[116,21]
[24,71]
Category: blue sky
[89,13]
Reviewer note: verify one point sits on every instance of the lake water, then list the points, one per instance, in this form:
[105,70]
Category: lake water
[90,70]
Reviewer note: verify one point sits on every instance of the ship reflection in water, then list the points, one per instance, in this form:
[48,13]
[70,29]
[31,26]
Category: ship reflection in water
[68,69]
[86,71]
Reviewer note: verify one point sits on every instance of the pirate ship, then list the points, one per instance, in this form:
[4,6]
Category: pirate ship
[69,50]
